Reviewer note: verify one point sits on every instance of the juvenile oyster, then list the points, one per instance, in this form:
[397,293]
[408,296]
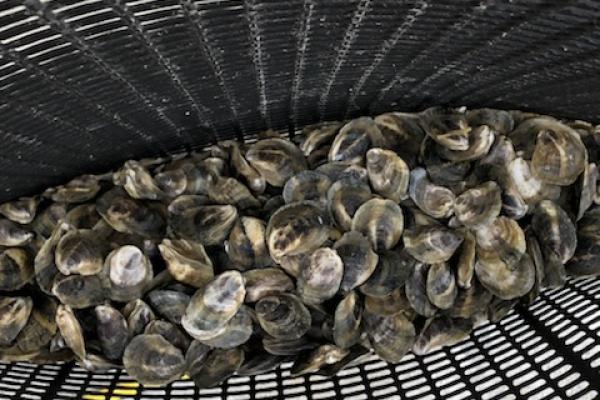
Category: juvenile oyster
[307,185]
[246,246]
[381,221]
[14,313]
[78,190]
[21,211]
[321,278]
[431,244]
[344,198]
[354,140]
[13,235]
[126,273]
[296,228]
[441,331]
[391,336]
[283,316]
[436,201]
[112,331]
[152,360]
[16,269]
[276,160]
[347,321]
[187,261]
[265,282]
[388,173]
[358,258]
[214,305]
[479,205]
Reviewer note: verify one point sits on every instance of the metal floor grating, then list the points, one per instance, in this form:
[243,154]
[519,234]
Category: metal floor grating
[550,350]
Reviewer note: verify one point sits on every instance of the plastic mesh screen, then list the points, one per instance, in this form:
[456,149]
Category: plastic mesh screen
[550,350]
[85,85]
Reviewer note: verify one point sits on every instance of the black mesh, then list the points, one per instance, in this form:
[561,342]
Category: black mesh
[85,85]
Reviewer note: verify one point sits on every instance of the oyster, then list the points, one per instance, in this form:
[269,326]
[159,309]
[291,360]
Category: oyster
[347,321]
[213,306]
[14,313]
[480,141]
[13,235]
[78,190]
[126,273]
[283,316]
[403,134]
[390,304]
[388,173]
[441,285]
[354,140]
[138,182]
[256,182]
[79,291]
[381,221]
[208,225]
[296,228]
[16,269]
[237,331]
[586,260]
[79,252]
[21,211]
[416,291]
[71,330]
[436,201]
[321,278]
[152,360]
[246,246]
[503,239]
[307,185]
[218,366]
[277,160]
[431,244]
[358,258]
[311,362]
[128,215]
[265,282]
[559,156]
[465,267]
[169,331]
[169,304]
[112,331]
[344,198]
[555,230]
[479,205]
[506,281]
[390,336]
[187,261]
[230,191]
[441,331]
[392,271]
[138,314]
[498,120]
[317,136]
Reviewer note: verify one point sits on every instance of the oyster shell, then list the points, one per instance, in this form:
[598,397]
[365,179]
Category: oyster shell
[265,282]
[381,221]
[321,278]
[358,258]
[21,211]
[187,261]
[277,160]
[354,140]
[436,201]
[283,316]
[307,185]
[388,173]
[344,198]
[347,321]
[16,269]
[152,360]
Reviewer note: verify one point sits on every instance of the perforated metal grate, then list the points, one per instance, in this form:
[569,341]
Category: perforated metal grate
[550,350]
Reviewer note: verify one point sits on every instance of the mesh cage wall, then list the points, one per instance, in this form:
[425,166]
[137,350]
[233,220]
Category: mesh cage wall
[85,85]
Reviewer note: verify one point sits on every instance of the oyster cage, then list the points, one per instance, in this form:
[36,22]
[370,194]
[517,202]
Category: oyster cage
[85,85]
[549,350]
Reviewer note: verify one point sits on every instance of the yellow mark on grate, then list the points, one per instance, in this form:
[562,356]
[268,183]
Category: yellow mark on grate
[127,389]
[93,397]
[132,384]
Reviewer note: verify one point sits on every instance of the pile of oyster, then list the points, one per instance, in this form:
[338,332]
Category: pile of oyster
[386,235]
